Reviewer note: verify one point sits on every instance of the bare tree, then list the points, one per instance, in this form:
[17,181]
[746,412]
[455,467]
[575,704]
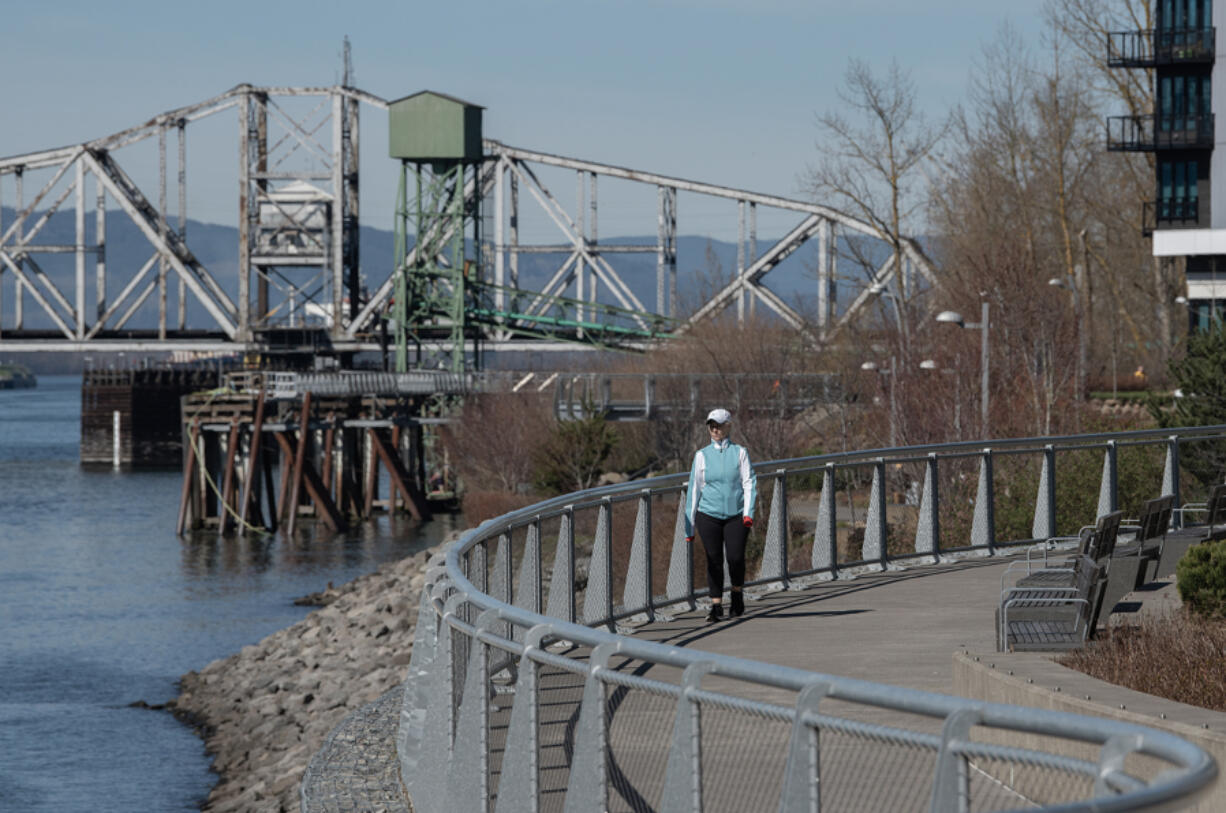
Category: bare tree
[871,163]
[491,446]
[1086,26]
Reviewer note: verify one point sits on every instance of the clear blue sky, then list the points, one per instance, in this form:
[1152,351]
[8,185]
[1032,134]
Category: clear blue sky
[724,91]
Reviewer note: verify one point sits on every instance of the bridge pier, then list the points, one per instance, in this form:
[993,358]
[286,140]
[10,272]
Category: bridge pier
[257,465]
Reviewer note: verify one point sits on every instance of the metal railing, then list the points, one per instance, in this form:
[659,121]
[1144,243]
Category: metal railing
[1149,132]
[1157,214]
[642,396]
[524,696]
[1150,48]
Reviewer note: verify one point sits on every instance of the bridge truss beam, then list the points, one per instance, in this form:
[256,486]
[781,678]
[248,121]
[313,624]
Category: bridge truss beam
[298,258]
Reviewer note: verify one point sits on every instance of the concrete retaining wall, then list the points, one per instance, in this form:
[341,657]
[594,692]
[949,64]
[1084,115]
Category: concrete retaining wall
[1031,679]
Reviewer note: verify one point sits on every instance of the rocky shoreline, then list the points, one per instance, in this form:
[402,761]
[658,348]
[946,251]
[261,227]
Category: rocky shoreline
[265,711]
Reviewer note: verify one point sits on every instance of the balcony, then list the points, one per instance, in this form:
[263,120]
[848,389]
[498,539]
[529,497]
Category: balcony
[1150,132]
[1154,47]
[1164,212]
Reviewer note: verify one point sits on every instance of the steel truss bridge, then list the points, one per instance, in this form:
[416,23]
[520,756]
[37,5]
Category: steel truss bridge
[298,256]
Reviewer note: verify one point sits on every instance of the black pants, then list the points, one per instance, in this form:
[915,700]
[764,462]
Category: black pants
[722,537]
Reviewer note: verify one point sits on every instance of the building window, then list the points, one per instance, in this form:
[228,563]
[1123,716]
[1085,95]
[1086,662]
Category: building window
[1181,100]
[1185,14]
[1177,190]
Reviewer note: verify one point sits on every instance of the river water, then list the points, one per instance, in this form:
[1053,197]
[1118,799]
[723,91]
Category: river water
[101,605]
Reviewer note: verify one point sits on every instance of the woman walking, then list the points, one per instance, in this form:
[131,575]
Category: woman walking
[722,492]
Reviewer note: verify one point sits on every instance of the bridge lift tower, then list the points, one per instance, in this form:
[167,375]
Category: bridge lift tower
[437,139]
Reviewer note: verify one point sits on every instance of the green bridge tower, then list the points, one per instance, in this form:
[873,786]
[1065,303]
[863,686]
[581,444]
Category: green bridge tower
[438,141]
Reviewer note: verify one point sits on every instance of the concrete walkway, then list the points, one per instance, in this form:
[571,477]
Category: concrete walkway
[899,627]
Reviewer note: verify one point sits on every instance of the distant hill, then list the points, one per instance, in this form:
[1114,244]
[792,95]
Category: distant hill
[701,262]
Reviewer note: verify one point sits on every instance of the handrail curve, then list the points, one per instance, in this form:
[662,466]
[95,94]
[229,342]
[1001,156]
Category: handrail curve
[486,633]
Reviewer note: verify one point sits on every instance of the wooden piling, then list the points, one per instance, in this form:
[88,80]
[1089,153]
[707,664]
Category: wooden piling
[189,479]
[227,490]
[401,480]
[253,461]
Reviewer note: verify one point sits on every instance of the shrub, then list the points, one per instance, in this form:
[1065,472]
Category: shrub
[1201,577]
[1178,657]
[574,454]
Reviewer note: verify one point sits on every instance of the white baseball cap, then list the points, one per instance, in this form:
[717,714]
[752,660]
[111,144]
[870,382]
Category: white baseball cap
[719,416]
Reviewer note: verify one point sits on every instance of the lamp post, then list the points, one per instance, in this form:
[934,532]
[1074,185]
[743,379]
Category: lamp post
[929,364]
[872,366]
[881,289]
[1073,286]
[953,317]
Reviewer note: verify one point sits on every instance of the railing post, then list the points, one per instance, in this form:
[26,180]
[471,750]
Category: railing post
[1044,525]
[637,593]
[681,561]
[428,787]
[598,598]
[1111,759]
[528,589]
[951,780]
[928,530]
[562,582]
[519,779]
[683,777]
[588,788]
[1170,477]
[802,776]
[983,524]
[500,586]
[468,770]
[1109,488]
[410,736]
[775,551]
[875,527]
[478,572]
[825,535]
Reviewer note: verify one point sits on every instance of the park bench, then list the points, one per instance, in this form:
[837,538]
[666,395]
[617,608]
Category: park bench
[1177,542]
[1134,562]
[1046,618]
[1097,543]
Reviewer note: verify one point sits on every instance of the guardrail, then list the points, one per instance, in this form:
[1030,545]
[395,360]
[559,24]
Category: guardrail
[524,697]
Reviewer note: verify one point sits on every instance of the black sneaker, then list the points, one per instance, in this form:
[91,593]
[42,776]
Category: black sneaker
[716,614]
[738,604]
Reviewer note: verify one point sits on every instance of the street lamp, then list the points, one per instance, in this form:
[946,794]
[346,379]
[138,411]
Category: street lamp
[953,317]
[1070,285]
[879,288]
[929,364]
[873,367]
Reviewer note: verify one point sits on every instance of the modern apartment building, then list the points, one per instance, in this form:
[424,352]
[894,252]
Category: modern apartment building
[1183,218]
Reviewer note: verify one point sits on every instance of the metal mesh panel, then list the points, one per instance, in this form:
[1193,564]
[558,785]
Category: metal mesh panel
[1007,784]
[503,669]
[559,695]
[860,772]
[639,731]
[743,759]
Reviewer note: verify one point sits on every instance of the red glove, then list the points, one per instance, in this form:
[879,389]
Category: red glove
[747,522]
[689,539]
